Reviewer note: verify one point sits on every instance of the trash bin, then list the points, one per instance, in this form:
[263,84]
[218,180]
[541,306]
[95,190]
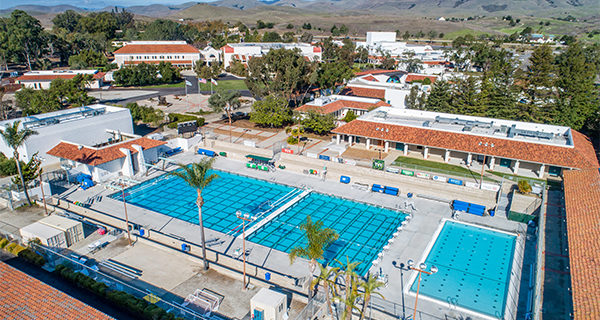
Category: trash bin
[268,276]
[223,154]
[142,232]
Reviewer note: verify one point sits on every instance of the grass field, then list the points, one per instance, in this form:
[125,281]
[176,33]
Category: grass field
[166,85]
[225,84]
[437,167]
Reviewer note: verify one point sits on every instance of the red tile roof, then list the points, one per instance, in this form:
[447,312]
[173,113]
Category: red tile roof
[228,49]
[582,155]
[156,48]
[66,76]
[419,77]
[24,298]
[97,156]
[341,104]
[364,92]
[582,205]
[374,71]
[370,78]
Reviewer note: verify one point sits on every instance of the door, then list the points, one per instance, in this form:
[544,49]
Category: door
[505,163]
[399,146]
[554,171]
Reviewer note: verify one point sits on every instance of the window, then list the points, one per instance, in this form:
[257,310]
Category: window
[162,57]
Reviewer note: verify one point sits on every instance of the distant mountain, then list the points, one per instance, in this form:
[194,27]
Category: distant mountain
[40,9]
[154,10]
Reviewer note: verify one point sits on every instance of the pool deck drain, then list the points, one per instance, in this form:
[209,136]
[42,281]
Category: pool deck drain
[275,213]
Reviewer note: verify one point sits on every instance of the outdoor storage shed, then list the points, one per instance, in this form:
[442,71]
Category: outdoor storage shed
[268,305]
[47,235]
[73,229]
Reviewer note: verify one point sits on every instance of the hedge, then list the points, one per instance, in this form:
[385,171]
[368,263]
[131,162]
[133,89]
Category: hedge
[175,118]
[22,252]
[135,306]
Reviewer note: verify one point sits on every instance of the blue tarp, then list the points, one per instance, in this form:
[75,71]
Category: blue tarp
[345,179]
[207,152]
[324,157]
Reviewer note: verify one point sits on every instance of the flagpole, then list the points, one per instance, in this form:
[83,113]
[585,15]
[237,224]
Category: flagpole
[211,87]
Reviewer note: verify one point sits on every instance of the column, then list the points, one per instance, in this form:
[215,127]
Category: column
[425,152]
[516,167]
[368,143]
[492,162]
[469,159]
[405,149]
[542,171]
[337,139]
[351,140]
[447,156]
[386,146]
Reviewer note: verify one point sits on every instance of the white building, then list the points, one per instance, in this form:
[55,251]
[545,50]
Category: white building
[89,125]
[385,42]
[178,53]
[247,50]
[210,55]
[42,79]
[126,156]
[339,105]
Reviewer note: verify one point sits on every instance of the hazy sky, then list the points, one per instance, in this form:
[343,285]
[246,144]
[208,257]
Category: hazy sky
[4,4]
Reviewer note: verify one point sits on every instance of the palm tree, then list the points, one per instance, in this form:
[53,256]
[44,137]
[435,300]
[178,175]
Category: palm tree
[350,280]
[14,138]
[198,177]
[369,286]
[226,101]
[326,275]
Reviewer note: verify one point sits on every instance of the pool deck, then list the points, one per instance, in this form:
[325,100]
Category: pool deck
[411,243]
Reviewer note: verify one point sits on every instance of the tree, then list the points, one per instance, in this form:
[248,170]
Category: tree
[350,284]
[350,115]
[329,75]
[406,35]
[207,72]
[369,286]
[439,98]
[15,138]
[25,37]
[524,186]
[335,31]
[411,100]
[289,26]
[238,68]
[318,123]
[295,135]
[306,26]
[87,59]
[388,63]
[271,37]
[67,20]
[306,37]
[539,77]
[326,276]
[272,111]
[162,29]
[30,170]
[281,71]
[168,73]
[289,37]
[317,240]
[99,22]
[226,101]
[198,176]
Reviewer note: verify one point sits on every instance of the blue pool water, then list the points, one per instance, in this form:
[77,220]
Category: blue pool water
[474,268]
[363,229]
[228,193]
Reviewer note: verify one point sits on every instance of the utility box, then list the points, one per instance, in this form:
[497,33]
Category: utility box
[268,305]
[48,236]
[73,229]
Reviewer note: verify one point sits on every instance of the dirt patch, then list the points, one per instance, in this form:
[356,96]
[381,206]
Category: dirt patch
[244,135]
[363,154]
[245,123]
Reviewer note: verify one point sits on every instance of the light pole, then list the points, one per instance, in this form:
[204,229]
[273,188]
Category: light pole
[244,217]
[421,269]
[402,267]
[484,160]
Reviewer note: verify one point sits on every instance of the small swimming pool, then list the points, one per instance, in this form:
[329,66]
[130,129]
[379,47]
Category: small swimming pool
[363,229]
[230,192]
[474,268]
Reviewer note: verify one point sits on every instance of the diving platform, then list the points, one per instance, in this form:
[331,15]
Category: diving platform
[275,213]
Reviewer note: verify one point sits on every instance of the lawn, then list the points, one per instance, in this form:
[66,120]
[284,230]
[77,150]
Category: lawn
[225,84]
[516,177]
[439,167]
[166,85]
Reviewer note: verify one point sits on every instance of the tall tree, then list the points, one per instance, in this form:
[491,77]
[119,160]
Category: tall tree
[67,20]
[333,73]
[539,77]
[25,38]
[272,111]
[577,98]
[369,287]
[327,278]
[440,98]
[227,101]
[198,176]
[318,123]
[15,138]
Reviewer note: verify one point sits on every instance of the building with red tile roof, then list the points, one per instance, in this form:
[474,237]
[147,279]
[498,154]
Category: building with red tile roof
[542,149]
[42,79]
[178,53]
[582,206]
[125,157]
[245,51]
[26,298]
[340,105]
[364,92]
[412,77]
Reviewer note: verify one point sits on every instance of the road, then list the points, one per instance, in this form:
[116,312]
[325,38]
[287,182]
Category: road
[67,287]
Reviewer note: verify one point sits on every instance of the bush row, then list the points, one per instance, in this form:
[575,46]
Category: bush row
[22,252]
[135,306]
[175,118]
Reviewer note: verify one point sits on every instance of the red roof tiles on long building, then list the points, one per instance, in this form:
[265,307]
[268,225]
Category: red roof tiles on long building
[94,157]
[582,205]
[156,49]
[26,298]
[419,77]
[364,92]
[66,76]
[582,155]
[341,104]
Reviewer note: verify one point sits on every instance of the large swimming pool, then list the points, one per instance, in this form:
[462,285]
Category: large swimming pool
[474,268]
[363,229]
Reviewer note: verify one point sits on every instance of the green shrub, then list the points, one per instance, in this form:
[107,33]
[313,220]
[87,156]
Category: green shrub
[524,186]
[30,256]
[3,243]
[175,118]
